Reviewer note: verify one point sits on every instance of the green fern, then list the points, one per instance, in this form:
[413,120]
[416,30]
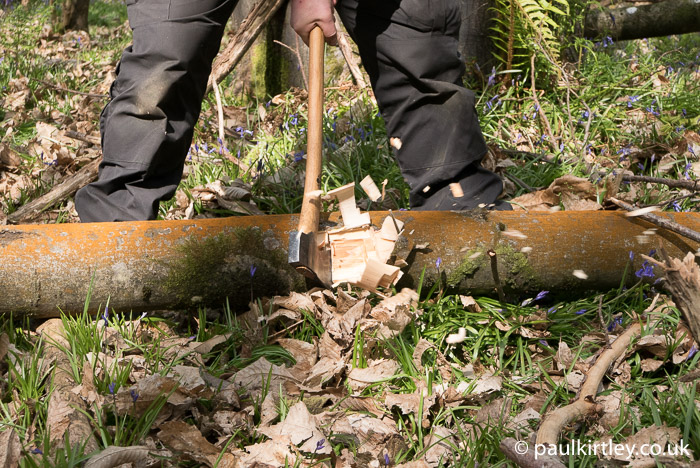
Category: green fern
[522,28]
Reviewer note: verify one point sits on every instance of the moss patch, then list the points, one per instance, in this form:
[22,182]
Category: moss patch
[468,267]
[207,271]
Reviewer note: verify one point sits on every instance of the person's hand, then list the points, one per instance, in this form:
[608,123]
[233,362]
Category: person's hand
[307,14]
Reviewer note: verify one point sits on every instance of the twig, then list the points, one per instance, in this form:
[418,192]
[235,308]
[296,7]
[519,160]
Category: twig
[519,182]
[72,91]
[93,140]
[585,404]
[59,193]
[496,278]
[299,59]
[219,110]
[673,183]
[346,50]
[660,221]
[543,116]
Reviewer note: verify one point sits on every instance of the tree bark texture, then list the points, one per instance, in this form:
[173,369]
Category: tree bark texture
[636,22]
[164,264]
[75,15]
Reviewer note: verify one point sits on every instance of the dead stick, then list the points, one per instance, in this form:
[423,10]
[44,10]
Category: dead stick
[71,91]
[244,38]
[674,183]
[93,140]
[585,404]
[660,221]
[60,192]
[219,110]
[346,50]
[496,278]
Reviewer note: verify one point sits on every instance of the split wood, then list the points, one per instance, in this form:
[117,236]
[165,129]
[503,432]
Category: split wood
[244,38]
[585,404]
[660,221]
[57,194]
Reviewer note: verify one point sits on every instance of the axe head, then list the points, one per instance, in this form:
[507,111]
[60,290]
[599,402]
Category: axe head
[309,259]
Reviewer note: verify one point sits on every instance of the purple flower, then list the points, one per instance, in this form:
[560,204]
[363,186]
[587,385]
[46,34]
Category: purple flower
[551,310]
[692,151]
[632,99]
[299,156]
[631,255]
[544,343]
[691,353]
[492,78]
[134,395]
[581,312]
[387,461]
[36,451]
[438,262]
[615,323]
[105,315]
[111,388]
[541,295]
[646,271]
[320,444]
[253,269]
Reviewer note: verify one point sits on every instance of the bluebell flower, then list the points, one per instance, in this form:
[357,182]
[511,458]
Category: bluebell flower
[438,262]
[111,388]
[692,151]
[646,271]
[544,343]
[632,99]
[541,295]
[615,323]
[692,352]
[492,78]
[581,312]
[134,395]
[387,461]
[36,451]
[299,156]
[551,310]
[631,255]
[253,269]
[320,444]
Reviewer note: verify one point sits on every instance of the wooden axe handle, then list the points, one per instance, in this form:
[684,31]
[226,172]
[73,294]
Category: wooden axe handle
[311,206]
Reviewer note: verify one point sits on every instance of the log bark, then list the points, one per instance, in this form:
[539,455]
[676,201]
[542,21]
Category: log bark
[683,282]
[164,264]
[75,15]
[636,22]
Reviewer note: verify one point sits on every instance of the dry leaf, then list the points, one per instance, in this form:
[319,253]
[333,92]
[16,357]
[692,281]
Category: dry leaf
[376,371]
[114,456]
[300,427]
[439,444]
[274,453]
[10,448]
[9,157]
[189,442]
[254,377]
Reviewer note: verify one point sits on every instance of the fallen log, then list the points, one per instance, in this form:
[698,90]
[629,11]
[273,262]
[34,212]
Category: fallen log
[165,264]
[637,22]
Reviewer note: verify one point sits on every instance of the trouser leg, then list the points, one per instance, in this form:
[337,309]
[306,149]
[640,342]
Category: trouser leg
[155,102]
[410,51]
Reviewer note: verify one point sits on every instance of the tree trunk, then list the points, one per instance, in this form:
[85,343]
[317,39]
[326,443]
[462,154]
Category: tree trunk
[475,45]
[75,15]
[636,22]
[157,265]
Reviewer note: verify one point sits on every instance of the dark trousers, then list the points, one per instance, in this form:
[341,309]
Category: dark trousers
[408,47]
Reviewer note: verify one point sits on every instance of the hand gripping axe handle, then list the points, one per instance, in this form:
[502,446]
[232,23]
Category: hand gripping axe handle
[304,252]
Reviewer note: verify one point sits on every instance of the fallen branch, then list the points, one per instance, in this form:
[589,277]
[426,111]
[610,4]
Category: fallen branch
[346,50]
[59,193]
[244,38]
[585,404]
[71,91]
[93,140]
[673,183]
[660,221]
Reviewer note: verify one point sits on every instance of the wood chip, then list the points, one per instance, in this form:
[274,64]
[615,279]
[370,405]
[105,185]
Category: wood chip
[371,188]
[456,190]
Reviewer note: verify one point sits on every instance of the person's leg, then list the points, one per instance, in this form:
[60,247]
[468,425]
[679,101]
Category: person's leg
[155,102]
[410,51]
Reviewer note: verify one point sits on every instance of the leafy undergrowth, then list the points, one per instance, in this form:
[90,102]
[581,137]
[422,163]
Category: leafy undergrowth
[350,379]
